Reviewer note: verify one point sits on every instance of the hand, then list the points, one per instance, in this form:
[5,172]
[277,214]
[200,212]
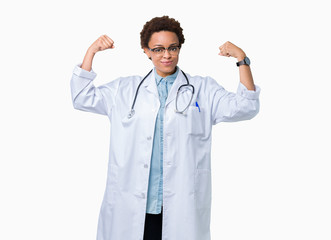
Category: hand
[102,43]
[228,49]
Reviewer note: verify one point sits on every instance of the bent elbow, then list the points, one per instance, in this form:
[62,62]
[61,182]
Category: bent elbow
[77,104]
[254,109]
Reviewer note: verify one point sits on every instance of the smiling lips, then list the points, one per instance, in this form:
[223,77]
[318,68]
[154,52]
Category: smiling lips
[167,63]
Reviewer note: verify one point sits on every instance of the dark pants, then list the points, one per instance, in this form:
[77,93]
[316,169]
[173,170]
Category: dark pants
[153,227]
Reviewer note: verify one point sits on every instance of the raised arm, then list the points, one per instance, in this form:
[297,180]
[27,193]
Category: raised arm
[85,96]
[228,49]
[102,43]
[243,105]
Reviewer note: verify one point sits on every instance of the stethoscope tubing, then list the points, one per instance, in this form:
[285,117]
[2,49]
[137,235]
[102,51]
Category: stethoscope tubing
[132,112]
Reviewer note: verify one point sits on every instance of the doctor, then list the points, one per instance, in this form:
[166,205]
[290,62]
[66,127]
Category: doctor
[159,176]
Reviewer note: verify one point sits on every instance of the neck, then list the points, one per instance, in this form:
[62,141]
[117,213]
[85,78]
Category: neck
[163,74]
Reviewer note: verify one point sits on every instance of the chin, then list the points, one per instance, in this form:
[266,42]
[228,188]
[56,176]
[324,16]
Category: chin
[167,70]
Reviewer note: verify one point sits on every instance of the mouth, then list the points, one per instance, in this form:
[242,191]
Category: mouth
[166,63]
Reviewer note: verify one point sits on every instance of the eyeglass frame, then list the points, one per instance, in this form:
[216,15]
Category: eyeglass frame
[164,49]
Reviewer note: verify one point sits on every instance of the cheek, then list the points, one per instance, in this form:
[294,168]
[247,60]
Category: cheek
[175,61]
[154,61]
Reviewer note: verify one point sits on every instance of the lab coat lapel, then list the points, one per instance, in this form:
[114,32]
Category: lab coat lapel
[150,85]
[180,80]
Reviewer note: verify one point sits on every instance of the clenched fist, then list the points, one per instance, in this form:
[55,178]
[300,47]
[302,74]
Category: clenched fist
[102,43]
[228,49]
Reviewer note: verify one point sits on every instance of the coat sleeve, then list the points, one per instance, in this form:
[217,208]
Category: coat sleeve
[86,97]
[233,107]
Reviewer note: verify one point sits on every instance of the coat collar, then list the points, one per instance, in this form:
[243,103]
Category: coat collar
[150,85]
[180,80]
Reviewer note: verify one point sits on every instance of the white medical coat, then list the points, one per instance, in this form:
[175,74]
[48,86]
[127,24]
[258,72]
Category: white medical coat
[187,148]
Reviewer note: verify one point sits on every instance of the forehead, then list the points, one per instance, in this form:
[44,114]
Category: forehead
[163,38]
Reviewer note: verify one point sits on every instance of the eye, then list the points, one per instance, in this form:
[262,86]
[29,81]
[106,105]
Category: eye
[158,50]
[173,49]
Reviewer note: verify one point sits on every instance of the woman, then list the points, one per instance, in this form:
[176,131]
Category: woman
[159,176]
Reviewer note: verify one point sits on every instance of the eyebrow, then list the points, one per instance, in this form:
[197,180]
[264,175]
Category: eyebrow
[160,45]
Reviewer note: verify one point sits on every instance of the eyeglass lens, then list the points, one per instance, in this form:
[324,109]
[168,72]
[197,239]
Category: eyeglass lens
[161,50]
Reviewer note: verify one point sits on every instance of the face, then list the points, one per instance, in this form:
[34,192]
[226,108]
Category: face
[165,64]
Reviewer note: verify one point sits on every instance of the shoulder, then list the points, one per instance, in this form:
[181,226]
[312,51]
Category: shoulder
[130,79]
[203,81]
[125,81]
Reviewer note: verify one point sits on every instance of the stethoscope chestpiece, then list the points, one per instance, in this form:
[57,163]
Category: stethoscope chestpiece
[131,113]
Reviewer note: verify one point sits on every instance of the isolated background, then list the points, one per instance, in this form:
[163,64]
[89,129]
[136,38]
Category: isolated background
[271,175]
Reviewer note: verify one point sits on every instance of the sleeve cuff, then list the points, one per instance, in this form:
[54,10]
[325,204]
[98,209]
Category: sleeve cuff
[249,94]
[83,73]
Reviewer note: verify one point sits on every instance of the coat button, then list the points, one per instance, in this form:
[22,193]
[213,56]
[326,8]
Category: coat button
[149,138]
[145,165]
[143,195]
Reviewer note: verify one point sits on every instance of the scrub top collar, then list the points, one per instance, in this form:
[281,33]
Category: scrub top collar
[170,79]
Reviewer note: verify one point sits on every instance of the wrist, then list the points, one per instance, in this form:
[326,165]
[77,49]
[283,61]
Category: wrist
[91,51]
[241,56]
[243,62]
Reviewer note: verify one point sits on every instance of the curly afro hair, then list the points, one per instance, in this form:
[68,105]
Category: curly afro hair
[159,24]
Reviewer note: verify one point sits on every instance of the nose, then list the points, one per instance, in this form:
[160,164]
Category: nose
[166,54]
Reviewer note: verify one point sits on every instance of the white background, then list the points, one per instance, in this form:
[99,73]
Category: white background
[271,175]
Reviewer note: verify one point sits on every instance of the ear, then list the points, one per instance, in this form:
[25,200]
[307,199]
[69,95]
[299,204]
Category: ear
[148,53]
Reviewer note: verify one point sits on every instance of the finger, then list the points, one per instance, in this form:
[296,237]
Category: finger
[108,40]
[104,44]
[221,48]
[111,40]
[109,44]
[221,53]
[226,48]
[224,52]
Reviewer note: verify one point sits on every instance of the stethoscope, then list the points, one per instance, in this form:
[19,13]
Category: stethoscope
[132,112]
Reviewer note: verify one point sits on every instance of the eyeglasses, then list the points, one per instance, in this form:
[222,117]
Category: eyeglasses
[173,50]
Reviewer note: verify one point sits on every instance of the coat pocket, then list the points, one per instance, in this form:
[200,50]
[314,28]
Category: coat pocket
[197,120]
[192,120]
[202,188]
